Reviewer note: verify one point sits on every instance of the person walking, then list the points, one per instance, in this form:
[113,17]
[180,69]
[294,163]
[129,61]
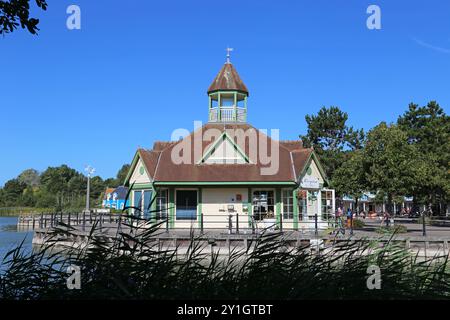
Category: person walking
[349,217]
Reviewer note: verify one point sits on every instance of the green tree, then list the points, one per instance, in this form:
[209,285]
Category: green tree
[428,128]
[30,177]
[15,13]
[12,191]
[350,178]
[122,174]
[389,162]
[331,137]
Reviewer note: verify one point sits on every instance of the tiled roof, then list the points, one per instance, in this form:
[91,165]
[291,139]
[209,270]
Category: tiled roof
[228,79]
[161,167]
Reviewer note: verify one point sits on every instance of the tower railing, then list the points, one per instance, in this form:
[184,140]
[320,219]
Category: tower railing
[227,114]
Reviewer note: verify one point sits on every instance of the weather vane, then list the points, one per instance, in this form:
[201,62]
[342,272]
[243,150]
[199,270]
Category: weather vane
[229,54]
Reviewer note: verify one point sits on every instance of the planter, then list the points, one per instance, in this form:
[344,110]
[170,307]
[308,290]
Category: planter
[270,224]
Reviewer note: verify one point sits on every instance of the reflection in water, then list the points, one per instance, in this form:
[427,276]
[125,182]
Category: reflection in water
[10,238]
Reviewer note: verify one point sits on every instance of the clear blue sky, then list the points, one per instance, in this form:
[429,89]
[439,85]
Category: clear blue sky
[137,70]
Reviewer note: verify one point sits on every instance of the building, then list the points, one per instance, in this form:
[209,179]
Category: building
[369,204]
[228,173]
[115,198]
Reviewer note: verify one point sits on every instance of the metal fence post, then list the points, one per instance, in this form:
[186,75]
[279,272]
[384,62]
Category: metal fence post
[281,222]
[229,224]
[316,232]
[253,225]
[237,223]
[201,222]
[424,229]
[351,224]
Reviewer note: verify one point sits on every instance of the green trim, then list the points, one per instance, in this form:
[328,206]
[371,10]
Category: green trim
[278,205]
[136,158]
[249,207]
[133,165]
[153,205]
[140,186]
[295,204]
[199,205]
[229,183]
[224,136]
[171,214]
[314,157]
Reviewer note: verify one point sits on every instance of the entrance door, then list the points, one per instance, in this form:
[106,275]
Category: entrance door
[186,205]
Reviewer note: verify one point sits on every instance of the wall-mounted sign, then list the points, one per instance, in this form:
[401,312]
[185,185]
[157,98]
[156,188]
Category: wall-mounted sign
[309,182]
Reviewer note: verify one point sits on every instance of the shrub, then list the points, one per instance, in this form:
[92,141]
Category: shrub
[130,266]
[358,224]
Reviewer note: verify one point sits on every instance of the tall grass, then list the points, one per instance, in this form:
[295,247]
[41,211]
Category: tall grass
[130,266]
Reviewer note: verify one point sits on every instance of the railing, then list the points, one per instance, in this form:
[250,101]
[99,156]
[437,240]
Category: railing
[227,114]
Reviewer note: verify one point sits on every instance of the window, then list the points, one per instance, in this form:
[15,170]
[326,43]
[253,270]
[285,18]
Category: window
[161,204]
[146,209]
[263,204]
[137,203]
[302,204]
[288,204]
[327,202]
[186,205]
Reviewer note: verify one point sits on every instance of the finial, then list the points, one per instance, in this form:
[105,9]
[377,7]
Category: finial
[229,54]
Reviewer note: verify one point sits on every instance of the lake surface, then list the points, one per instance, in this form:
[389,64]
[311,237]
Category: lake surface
[11,238]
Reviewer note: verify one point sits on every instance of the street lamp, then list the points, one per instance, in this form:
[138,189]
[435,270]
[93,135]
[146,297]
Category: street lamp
[90,171]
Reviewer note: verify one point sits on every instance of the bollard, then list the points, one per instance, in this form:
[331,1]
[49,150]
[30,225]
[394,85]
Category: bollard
[316,232]
[167,225]
[237,223]
[33,223]
[230,224]
[84,220]
[68,219]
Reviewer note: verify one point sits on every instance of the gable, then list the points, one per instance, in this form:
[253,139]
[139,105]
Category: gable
[224,151]
[139,174]
[312,176]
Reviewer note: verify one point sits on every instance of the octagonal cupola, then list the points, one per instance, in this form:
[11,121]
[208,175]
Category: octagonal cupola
[228,96]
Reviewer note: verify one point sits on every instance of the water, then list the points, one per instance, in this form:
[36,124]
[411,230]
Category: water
[11,238]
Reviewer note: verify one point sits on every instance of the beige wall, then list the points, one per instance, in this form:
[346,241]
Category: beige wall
[137,177]
[215,207]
